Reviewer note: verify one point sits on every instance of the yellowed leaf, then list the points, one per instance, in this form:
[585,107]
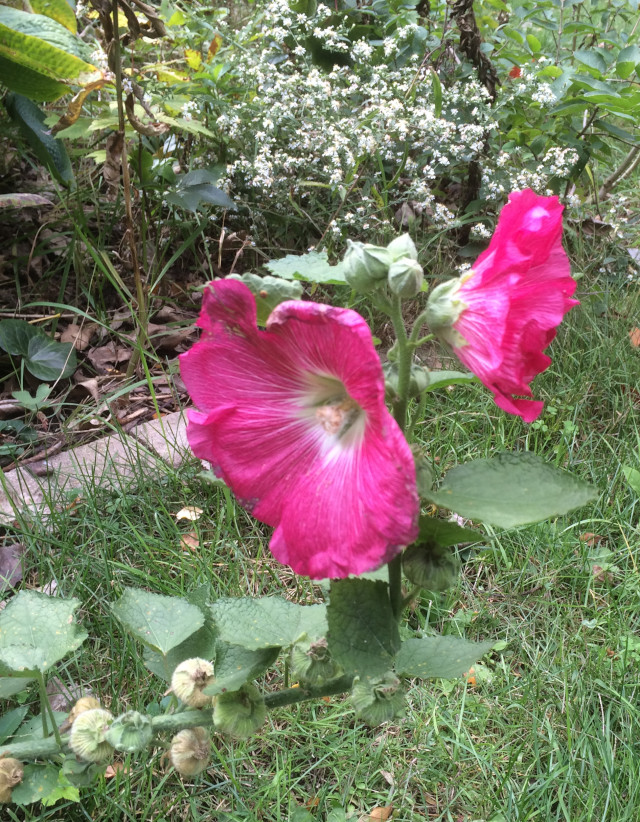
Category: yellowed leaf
[214,46]
[191,512]
[194,58]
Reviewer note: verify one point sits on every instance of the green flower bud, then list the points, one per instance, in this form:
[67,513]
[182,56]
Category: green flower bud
[85,703]
[190,679]
[240,713]
[418,380]
[130,732]
[403,246]
[379,700]
[431,566]
[190,751]
[443,310]
[424,474]
[11,772]
[311,662]
[88,735]
[366,266]
[406,278]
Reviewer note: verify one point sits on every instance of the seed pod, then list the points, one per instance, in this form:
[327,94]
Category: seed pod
[88,735]
[379,700]
[240,713]
[130,732]
[190,751]
[189,680]
[11,772]
[431,566]
[311,662]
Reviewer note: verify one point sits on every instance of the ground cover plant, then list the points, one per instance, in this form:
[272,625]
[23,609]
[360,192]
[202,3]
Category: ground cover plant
[492,666]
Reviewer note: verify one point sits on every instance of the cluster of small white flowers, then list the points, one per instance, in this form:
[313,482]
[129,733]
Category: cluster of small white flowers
[544,95]
[560,161]
[189,109]
[480,232]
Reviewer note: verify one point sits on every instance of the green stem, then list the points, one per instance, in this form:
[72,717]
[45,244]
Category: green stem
[404,356]
[421,319]
[45,706]
[418,414]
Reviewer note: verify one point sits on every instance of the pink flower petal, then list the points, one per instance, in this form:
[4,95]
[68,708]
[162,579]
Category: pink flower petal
[293,419]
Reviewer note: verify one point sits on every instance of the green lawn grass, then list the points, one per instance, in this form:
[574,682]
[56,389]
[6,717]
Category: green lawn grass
[550,730]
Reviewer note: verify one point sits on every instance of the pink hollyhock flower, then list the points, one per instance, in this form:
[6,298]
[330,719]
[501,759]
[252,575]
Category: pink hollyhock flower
[501,315]
[293,419]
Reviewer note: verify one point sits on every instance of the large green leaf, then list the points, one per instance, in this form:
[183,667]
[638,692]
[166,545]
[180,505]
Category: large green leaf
[58,10]
[50,360]
[45,46]
[510,490]
[269,292]
[235,665]
[36,631]
[38,782]
[443,379]
[591,58]
[11,685]
[445,533]
[49,150]
[633,477]
[15,336]
[363,634]
[160,622]
[445,657]
[31,83]
[311,268]
[628,59]
[267,622]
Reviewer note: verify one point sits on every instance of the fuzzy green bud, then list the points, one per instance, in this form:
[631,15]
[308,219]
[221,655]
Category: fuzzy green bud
[190,751]
[88,735]
[311,662]
[11,772]
[366,266]
[443,310]
[418,380]
[190,679]
[403,246]
[379,700]
[240,713]
[406,278]
[130,732]
[431,566]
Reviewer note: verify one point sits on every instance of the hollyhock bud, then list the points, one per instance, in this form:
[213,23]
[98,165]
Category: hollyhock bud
[379,700]
[406,278]
[311,662]
[240,713]
[88,735]
[430,566]
[403,246]
[190,751]
[418,380]
[190,679]
[85,703]
[130,732]
[366,266]
[11,772]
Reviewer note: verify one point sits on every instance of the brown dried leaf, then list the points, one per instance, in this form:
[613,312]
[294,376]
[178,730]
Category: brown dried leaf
[591,539]
[381,814]
[634,336]
[189,542]
[105,357]
[114,768]
[10,565]
[78,335]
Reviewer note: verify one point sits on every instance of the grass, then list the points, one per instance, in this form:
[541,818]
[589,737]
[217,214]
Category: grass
[549,730]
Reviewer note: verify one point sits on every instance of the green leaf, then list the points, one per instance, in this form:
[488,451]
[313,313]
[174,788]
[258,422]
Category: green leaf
[311,268]
[15,336]
[38,782]
[443,379]
[63,790]
[267,622]
[32,729]
[633,477]
[36,631]
[628,59]
[235,665]
[58,10]
[191,197]
[11,685]
[511,489]
[160,622]
[534,44]
[616,131]
[45,46]
[49,150]
[445,533]
[363,634]
[269,292]
[442,657]
[50,360]
[20,200]
[591,58]
[10,721]
[31,83]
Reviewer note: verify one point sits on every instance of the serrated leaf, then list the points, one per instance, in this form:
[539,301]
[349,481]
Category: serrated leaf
[443,379]
[363,634]
[235,665]
[267,622]
[632,477]
[510,490]
[442,657]
[445,533]
[311,268]
[36,631]
[50,360]
[38,782]
[160,622]
[15,336]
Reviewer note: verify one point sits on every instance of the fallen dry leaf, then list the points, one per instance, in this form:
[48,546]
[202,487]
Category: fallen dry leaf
[10,565]
[78,335]
[381,813]
[114,768]
[191,512]
[190,541]
[591,539]
[105,357]
[634,336]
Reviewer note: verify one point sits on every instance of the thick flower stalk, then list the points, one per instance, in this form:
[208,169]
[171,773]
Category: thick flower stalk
[293,419]
[501,315]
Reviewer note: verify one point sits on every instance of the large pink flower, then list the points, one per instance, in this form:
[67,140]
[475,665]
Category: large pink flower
[501,315]
[293,419]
